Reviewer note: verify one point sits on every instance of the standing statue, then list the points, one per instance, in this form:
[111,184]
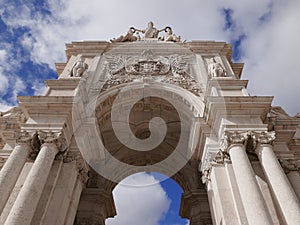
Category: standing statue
[215,69]
[78,68]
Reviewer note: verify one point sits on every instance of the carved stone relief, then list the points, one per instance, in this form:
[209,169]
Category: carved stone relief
[171,69]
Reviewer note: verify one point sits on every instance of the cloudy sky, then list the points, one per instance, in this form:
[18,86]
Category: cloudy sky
[264,35]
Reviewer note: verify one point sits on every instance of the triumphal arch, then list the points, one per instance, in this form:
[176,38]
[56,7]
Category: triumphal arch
[149,101]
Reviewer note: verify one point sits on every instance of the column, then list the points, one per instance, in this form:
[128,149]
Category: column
[283,192]
[255,208]
[28,198]
[13,166]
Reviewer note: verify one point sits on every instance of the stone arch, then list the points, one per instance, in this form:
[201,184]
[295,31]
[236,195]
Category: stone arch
[186,175]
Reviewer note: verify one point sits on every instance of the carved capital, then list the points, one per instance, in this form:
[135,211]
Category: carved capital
[232,138]
[51,137]
[265,137]
[23,137]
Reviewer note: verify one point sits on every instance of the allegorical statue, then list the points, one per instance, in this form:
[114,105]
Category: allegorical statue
[127,37]
[150,32]
[215,69]
[170,36]
[78,68]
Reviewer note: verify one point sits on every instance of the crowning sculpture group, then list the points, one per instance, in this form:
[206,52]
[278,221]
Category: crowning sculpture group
[133,34]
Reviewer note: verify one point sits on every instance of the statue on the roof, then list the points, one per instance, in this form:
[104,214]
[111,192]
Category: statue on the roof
[127,37]
[170,35]
[150,32]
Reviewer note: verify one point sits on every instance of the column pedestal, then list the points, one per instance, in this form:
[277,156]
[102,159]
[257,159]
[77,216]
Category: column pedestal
[285,196]
[10,172]
[28,198]
[253,202]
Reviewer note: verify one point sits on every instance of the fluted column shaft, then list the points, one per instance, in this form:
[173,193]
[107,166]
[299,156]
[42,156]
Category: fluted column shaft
[28,198]
[284,194]
[11,170]
[255,208]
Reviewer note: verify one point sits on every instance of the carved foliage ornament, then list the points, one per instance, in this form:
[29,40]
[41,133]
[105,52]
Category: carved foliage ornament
[244,138]
[51,137]
[172,69]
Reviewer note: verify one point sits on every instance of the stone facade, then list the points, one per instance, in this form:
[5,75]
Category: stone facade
[234,155]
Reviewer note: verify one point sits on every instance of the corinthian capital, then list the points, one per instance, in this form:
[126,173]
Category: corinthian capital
[233,137]
[266,137]
[23,137]
[51,137]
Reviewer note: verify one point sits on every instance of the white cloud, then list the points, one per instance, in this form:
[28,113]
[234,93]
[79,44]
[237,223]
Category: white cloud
[137,204]
[3,82]
[270,41]
[4,107]
[39,88]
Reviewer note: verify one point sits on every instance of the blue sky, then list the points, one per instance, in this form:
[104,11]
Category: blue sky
[264,34]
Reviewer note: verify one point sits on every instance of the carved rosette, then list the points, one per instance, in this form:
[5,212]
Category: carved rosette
[55,138]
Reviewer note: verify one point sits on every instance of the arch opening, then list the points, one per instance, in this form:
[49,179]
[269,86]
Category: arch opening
[141,199]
